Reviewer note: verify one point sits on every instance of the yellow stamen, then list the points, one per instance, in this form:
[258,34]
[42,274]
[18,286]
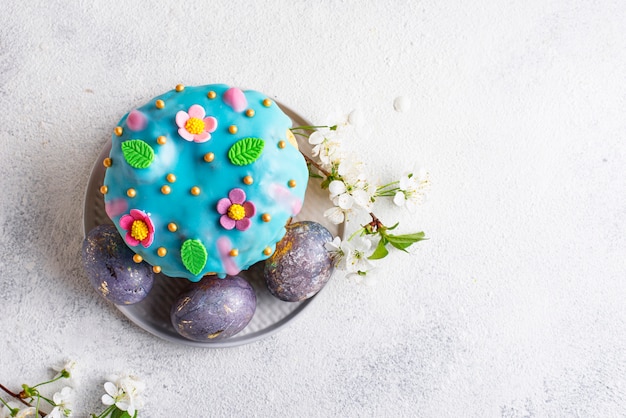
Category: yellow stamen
[139,230]
[194,126]
[236,212]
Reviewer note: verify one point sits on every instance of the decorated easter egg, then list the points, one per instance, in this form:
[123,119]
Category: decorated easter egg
[214,309]
[202,180]
[113,269]
[301,265]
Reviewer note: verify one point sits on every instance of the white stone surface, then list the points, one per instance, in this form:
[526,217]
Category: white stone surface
[513,308]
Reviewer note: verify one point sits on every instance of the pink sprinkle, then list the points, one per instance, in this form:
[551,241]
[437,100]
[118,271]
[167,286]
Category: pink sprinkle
[136,121]
[115,207]
[223,247]
[236,99]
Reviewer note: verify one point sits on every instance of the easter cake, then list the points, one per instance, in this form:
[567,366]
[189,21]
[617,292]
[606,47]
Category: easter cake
[202,180]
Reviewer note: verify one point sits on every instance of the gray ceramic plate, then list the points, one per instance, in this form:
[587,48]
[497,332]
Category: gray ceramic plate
[153,313]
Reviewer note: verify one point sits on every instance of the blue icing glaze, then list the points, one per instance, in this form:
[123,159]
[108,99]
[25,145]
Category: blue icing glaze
[197,217]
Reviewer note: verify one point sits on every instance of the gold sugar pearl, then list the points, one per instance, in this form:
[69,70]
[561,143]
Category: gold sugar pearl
[282,144]
[248,180]
[250,113]
[107,162]
[292,183]
[171,177]
[104,189]
[162,251]
[179,87]
[266,217]
[161,140]
[137,258]
[211,95]
[267,251]
[209,156]
[160,104]
[166,189]
[267,102]
[195,190]
[118,130]
[233,129]
[131,193]
[156,269]
[234,252]
[172,227]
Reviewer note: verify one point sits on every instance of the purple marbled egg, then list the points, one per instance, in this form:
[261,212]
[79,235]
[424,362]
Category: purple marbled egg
[301,265]
[214,309]
[110,267]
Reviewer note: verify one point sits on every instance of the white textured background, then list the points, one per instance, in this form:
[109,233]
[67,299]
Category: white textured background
[514,308]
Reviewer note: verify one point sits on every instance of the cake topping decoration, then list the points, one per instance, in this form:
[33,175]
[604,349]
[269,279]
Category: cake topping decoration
[165,189]
[107,162]
[161,140]
[160,104]
[137,153]
[235,98]
[162,251]
[235,210]
[209,156]
[104,189]
[248,180]
[195,190]
[193,126]
[194,255]
[172,227]
[246,151]
[137,258]
[179,88]
[138,227]
[267,102]
[156,269]
[118,130]
[131,192]
[250,113]
[171,177]
[211,95]
[136,121]
[233,129]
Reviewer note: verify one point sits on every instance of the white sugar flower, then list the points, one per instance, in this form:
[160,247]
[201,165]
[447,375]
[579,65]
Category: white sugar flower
[125,394]
[413,188]
[62,403]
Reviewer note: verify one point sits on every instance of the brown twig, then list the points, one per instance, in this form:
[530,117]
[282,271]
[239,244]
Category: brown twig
[19,397]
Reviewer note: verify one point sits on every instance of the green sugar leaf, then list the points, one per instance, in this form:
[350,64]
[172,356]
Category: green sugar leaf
[137,153]
[194,255]
[246,151]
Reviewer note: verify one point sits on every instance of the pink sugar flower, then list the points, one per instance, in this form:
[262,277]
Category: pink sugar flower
[235,211]
[139,228]
[193,126]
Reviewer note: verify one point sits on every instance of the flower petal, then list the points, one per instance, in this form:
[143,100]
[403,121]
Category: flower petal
[399,199]
[110,389]
[138,214]
[201,137]
[336,187]
[126,222]
[226,222]
[243,224]
[237,195]
[344,201]
[197,111]
[223,205]
[185,134]
[210,124]
[148,240]
[250,209]
[130,240]
[181,118]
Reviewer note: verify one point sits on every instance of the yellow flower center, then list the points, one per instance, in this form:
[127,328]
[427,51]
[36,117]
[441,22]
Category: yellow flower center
[139,230]
[236,212]
[194,126]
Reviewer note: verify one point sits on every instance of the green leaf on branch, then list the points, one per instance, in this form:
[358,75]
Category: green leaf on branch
[402,242]
[380,251]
